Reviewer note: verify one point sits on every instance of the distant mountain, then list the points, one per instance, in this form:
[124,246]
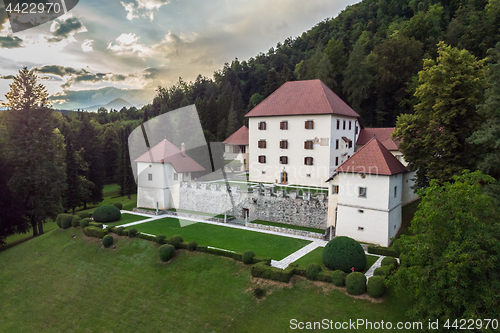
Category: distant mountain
[116,104]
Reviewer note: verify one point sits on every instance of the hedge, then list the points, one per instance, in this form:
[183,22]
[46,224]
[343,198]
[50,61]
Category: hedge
[338,278]
[324,277]
[107,241]
[96,224]
[247,257]
[161,239]
[380,271]
[119,231]
[263,270]
[388,261]
[376,286]
[75,221]
[95,232]
[355,283]
[175,241]
[118,205]
[312,271]
[85,222]
[83,215]
[382,251]
[146,237]
[59,219]
[192,246]
[167,252]
[132,232]
[106,213]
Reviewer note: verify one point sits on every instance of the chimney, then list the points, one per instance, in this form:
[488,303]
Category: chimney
[183,149]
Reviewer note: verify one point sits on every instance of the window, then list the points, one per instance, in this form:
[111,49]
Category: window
[309,124]
[338,124]
[150,176]
[284,125]
[349,125]
[361,228]
[337,144]
[335,189]
[262,125]
[360,211]
[308,161]
[263,172]
[243,149]
[283,159]
[395,191]
[262,144]
[336,161]
[284,144]
[308,144]
[262,159]
[350,144]
[344,125]
[176,176]
[362,192]
[356,130]
[308,175]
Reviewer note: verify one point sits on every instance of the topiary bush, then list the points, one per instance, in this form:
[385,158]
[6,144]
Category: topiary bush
[312,271]
[176,241]
[247,257]
[125,233]
[132,232]
[338,278]
[380,271]
[167,252]
[192,246]
[59,219]
[376,286]
[388,261]
[85,222]
[118,205]
[161,239]
[106,213]
[107,241]
[343,253]
[119,231]
[83,215]
[355,283]
[66,221]
[75,222]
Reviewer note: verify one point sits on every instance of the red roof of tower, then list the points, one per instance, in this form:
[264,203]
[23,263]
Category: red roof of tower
[373,158]
[240,137]
[302,98]
[383,134]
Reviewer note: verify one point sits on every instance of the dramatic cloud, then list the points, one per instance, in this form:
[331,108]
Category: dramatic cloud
[143,8]
[127,44]
[94,78]
[87,45]
[154,73]
[10,42]
[59,70]
[65,29]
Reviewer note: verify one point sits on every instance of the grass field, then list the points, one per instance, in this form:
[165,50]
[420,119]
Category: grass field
[276,247]
[289,226]
[127,218]
[315,257]
[111,195]
[56,283]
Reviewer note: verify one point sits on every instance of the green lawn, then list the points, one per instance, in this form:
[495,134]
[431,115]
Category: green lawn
[315,257]
[227,238]
[19,238]
[289,226]
[56,283]
[111,195]
[128,218]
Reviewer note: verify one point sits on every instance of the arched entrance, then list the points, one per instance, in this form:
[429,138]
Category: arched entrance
[284,177]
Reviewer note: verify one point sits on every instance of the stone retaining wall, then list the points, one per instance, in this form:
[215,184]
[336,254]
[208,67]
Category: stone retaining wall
[285,230]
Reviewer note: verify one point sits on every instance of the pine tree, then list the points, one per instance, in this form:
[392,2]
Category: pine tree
[110,154]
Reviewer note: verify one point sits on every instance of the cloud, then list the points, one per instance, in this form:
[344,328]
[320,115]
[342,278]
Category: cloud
[143,8]
[7,77]
[10,42]
[65,29]
[127,44]
[153,73]
[94,78]
[87,45]
[60,70]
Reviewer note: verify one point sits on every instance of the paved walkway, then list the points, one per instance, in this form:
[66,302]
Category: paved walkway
[298,254]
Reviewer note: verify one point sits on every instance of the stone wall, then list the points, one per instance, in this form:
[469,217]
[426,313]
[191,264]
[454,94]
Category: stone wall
[307,210]
[285,230]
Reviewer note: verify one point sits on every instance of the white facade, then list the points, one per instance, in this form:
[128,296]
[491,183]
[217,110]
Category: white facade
[237,153]
[324,153]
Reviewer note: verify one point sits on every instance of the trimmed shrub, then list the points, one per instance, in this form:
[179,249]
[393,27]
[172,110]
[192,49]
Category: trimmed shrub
[338,278]
[312,271]
[257,259]
[94,232]
[125,233]
[324,276]
[300,270]
[161,239]
[66,221]
[201,248]
[183,245]
[388,261]
[376,286]
[355,283]
[83,215]
[75,221]
[85,222]
[259,292]
[59,219]
[96,224]
[106,213]
[146,237]
[132,232]
[107,241]
[167,252]
[175,241]
[247,257]
[119,231]
[118,205]
[382,251]
[192,246]
[344,253]
[380,271]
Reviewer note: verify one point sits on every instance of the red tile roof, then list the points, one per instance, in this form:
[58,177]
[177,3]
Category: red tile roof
[373,158]
[383,135]
[166,152]
[240,137]
[302,98]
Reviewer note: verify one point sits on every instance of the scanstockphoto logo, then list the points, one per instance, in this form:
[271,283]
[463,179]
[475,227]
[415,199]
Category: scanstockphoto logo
[24,15]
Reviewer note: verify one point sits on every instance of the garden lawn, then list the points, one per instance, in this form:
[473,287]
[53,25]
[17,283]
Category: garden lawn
[111,195]
[289,226]
[266,245]
[56,283]
[19,238]
[127,218]
[316,257]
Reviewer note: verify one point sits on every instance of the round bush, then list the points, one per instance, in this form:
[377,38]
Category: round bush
[376,286]
[85,222]
[59,219]
[161,239]
[106,213]
[344,253]
[388,261]
[380,271]
[75,222]
[83,215]
[312,271]
[176,241]
[355,283]
[338,278]
[125,233]
[132,232]
[192,245]
[247,257]
[107,241]
[118,205]
[119,231]
[66,221]
[167,252]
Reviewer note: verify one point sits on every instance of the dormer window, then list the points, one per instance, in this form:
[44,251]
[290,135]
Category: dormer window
[262,125]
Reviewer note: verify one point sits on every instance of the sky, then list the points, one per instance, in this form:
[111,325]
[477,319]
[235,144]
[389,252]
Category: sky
[102,50]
